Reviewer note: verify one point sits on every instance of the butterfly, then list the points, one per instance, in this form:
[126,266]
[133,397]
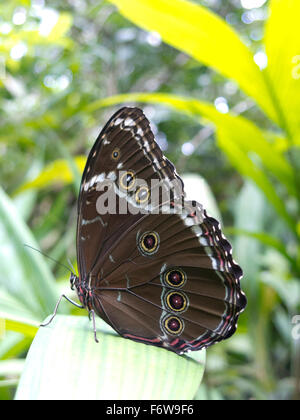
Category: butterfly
[153,265]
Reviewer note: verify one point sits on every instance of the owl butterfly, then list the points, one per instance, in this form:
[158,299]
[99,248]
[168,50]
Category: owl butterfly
[151,264]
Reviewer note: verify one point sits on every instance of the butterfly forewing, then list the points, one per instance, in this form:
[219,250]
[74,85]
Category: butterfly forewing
[161,272]
[126,145]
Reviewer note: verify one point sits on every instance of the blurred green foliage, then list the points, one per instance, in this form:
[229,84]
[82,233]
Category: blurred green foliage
[221,84]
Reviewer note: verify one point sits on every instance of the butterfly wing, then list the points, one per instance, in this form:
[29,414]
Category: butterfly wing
[183,293]
[126,141]
[160,277]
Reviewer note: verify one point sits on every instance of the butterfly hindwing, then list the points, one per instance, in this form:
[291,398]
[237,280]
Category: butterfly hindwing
[189,279]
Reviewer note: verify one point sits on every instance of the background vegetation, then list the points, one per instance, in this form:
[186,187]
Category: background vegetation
[220,81]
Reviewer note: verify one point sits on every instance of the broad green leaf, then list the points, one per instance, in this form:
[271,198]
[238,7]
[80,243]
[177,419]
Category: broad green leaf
[282,41]
[11,367]
[12,344]
[21,327]
[10,370]
[64,362]
[227,140]
[196,188]
[252,142]
[23,272]
[16,316]
[26,201]
[57,172]
[17,326]
[288,291]
[204,36]
[266,239]
[249,213]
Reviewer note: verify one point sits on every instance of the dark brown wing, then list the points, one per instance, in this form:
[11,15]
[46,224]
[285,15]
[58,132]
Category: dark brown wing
[125,145]
[166,279]
[183,295]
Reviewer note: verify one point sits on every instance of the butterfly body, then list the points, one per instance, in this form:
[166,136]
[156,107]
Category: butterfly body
[84,292]
[153,265]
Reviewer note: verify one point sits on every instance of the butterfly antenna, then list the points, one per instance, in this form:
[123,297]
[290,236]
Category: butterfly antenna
[50,258]
[71,265]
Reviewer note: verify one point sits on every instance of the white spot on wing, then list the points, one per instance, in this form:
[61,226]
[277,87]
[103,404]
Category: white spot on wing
[112,176]
[100,178]
[188,221]
[140,132]
[129,122]
[118,121]
[90,221]
[94,180]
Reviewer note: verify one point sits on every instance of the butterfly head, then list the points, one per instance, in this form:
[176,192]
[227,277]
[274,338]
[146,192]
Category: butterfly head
[73,279]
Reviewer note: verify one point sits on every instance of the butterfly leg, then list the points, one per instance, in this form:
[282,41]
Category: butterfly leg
[92,312]
[56,307]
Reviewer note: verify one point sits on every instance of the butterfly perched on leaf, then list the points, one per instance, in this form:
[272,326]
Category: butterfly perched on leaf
[151,264]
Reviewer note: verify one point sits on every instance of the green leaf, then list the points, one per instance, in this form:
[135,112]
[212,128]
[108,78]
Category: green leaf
[23,272]
[65,154]
[25,202]
[288,291]
[62,26]
[196,188]
[265,239]
[11,370]
[11,367]
[64,362]
[282,41]
[228,142]
[249,213]
[13,344]
[57,172]
[15,316]
[204,36]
